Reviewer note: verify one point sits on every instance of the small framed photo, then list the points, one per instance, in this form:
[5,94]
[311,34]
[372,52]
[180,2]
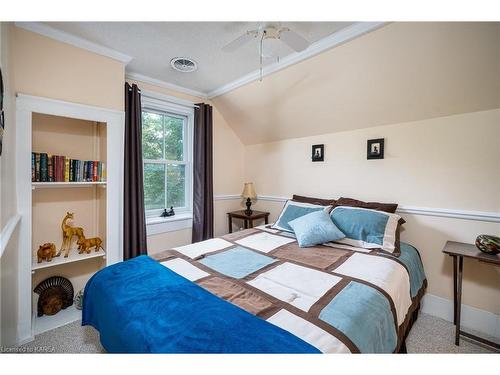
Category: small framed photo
[375,148]
[318,153]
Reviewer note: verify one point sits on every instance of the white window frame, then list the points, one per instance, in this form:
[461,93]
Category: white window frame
[177,108]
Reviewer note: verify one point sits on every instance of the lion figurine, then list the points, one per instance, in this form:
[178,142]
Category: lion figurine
[85,244]
[46,251]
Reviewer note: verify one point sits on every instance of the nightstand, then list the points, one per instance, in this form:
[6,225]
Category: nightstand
[458,251]
[247,219]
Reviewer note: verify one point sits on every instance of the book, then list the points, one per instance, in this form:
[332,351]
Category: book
[44,176]
[37,167]
[99,171]
[94,175]
[50,168]
[33,177]
[66,169]
[57,168]
[103,172]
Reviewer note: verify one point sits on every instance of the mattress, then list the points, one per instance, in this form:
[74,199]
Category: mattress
[332,298]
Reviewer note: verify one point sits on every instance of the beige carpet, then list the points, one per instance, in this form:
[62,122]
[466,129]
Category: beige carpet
[428,335]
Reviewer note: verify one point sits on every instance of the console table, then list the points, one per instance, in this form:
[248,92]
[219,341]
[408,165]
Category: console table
[459,250]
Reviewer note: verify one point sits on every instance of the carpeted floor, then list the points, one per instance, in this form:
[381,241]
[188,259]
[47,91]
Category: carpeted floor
[428,335]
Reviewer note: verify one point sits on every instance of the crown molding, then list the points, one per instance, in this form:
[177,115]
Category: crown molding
[61,36]
[342,36]
[171,86]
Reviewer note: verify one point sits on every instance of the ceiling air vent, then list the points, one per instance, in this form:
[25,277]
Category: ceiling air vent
[183,64]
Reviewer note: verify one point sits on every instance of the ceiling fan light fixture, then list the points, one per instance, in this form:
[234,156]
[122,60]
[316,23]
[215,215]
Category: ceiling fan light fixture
[184,64]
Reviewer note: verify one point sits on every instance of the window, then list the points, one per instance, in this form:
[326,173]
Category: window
[166,150]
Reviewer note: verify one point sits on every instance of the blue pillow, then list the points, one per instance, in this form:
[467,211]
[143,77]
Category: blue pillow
[369,229]
[292,210]
[315,228]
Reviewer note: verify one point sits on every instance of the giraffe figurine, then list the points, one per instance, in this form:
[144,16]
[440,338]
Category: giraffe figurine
[68,233]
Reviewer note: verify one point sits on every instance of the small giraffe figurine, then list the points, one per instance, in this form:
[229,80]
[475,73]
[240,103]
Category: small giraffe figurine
[68,233]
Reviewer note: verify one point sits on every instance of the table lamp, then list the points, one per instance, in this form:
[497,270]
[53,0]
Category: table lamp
[249,194]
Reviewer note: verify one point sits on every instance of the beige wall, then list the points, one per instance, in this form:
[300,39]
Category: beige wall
[228,167]
[432,90]
[48,68]
[401,72]
[40,66]
[448,162]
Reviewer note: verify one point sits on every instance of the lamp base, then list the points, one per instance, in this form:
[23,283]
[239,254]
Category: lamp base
[248,211]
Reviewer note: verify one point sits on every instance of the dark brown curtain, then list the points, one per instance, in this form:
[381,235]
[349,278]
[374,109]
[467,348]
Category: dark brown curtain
[134,220]
[203,195]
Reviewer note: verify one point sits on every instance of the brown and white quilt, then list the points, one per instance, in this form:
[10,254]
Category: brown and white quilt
[338,298]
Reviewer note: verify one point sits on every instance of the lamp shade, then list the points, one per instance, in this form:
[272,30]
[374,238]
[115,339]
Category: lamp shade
[249,191]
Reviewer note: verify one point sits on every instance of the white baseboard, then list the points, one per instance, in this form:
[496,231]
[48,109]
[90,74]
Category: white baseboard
[472,317]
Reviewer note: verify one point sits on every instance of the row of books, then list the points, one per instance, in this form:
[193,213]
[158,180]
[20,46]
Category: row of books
[55,168]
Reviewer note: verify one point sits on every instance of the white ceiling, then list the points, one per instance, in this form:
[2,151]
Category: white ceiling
[153,44]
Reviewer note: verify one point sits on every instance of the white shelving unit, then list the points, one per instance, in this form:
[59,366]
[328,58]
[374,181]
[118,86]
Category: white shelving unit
[106,209]
[72,257]
[57,185]
[46,323]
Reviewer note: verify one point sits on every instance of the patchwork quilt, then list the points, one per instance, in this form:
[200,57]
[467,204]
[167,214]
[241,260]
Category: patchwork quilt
[336,298]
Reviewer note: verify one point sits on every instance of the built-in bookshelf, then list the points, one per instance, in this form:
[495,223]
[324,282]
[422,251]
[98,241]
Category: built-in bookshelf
[66,152]
[71,161]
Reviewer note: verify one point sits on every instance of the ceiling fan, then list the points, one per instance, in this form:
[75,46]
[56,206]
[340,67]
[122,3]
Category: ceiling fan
[269,35]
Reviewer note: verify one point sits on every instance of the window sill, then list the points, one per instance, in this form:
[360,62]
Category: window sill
[157,225]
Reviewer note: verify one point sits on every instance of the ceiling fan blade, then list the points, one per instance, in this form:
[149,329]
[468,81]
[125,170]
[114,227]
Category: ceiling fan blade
[240,41]
[293,39]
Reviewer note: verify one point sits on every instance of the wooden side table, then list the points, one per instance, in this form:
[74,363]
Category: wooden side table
[458,251]
[247,219]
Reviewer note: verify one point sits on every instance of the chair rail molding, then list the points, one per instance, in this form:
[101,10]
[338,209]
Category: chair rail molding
[493,217]
[7,231]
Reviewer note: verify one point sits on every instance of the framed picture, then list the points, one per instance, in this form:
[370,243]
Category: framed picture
[375,148]
[318,153]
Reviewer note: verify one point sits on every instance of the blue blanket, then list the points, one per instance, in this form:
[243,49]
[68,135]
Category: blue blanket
[154,310]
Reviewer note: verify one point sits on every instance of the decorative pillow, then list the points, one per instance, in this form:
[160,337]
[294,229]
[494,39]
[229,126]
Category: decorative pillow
[292,210]
[315,228]
[386,207]
[319,201]
[369,229]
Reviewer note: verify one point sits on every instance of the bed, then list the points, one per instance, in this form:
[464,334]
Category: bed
[257,291]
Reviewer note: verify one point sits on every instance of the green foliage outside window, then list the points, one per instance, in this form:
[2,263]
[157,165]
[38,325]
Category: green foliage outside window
[163,142]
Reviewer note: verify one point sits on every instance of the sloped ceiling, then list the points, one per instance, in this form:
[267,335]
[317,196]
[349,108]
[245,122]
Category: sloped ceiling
[401,72]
